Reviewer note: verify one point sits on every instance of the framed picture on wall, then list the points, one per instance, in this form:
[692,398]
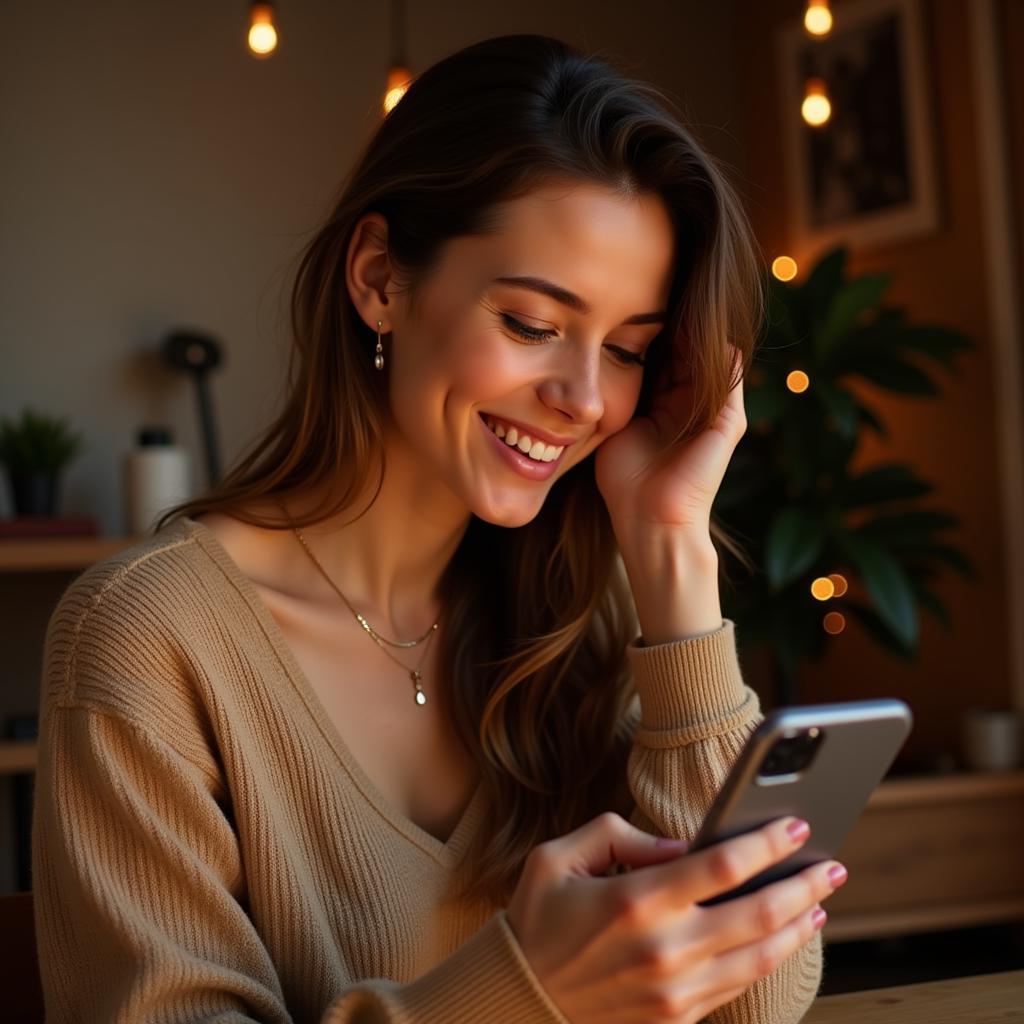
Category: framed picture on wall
[867,175]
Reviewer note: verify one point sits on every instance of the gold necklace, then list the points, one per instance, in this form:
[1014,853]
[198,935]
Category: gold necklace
[414,673]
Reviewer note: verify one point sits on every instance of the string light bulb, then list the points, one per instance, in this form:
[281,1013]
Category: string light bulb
[399,75]
[838,582]
[797,381]
[818,18]
[262,33]
[834,623]
[399,78]
[784,268]
[816,108]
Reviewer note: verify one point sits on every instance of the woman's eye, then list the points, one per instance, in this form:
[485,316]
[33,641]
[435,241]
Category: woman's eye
[537,335]
[524,331]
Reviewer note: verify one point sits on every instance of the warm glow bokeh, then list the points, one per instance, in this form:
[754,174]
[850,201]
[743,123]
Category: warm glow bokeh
[834,622]
[816,109]
[784,268]
[838,582]
[822,588]
[797,381]
[818,18]
[398,82]
[262,34]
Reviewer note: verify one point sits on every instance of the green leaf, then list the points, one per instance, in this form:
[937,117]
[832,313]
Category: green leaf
[840,405]
[953,558]
[824,281]
[908,528]
[891,482]
[795,539]
[938,343]
[886,582]
[876,628]
[871,420]
[896,375]
[930,601]
[852,301]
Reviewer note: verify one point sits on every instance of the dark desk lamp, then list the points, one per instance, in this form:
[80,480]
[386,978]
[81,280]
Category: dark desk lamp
[198,354]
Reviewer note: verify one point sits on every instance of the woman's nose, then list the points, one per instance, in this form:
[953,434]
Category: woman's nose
[573,386]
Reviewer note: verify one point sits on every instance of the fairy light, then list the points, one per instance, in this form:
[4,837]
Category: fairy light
[784,268]
[834,623]
[818,18]
[797,381]
[262,33]
[816,109]
[838,583]
[822,588]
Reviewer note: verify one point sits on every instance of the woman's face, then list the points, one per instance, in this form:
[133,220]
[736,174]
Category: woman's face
[482,355]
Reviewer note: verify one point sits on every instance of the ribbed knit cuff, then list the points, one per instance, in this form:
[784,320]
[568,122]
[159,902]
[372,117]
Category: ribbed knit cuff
[691,683]
[487,978]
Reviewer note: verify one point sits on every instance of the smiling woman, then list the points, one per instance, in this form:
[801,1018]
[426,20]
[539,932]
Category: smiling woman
[516,382]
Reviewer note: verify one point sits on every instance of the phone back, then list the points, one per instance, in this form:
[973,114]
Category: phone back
[856,743]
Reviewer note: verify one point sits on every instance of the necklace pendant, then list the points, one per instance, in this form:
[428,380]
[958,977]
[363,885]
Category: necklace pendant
[421,697]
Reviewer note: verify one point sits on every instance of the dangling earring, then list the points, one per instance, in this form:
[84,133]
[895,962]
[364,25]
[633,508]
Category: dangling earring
[378,359]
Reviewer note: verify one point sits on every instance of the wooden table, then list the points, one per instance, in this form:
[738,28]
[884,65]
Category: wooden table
[981,999]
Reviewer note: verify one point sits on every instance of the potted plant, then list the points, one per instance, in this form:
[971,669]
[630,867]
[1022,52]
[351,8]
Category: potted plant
[34,449]
[803,523]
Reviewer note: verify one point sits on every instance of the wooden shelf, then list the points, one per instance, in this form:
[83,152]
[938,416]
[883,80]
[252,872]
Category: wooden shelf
[18,756]
[933,852]
[57,554]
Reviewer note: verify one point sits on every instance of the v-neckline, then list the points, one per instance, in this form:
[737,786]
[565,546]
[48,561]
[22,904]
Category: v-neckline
[445,852]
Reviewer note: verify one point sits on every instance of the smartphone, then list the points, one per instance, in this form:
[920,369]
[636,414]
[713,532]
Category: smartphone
[817,761]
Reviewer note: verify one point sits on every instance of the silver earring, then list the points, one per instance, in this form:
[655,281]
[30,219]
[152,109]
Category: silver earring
[378,359]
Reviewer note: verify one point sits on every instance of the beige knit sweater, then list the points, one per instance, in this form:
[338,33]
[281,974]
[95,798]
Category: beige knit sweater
[206,848]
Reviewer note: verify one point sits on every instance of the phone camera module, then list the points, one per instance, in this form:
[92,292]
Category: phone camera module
[793,752]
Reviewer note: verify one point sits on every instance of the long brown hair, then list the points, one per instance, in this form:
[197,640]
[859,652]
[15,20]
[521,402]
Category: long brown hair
[535,677]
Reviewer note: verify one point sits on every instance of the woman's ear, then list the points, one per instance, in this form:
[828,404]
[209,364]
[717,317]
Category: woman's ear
[368,270]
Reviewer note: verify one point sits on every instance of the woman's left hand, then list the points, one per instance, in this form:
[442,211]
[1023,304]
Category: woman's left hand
[673,493]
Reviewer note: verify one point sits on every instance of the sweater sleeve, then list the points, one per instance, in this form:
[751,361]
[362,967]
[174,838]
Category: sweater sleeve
[695,716]
[140,889]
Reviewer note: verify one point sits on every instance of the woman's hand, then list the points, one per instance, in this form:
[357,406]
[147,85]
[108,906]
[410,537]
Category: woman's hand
[635,948]
[677,491]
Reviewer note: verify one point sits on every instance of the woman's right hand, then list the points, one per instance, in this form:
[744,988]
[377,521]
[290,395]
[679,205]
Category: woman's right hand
[635,947]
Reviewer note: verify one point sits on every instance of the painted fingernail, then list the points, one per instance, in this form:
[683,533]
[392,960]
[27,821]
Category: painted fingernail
[837,874]
[798,830]
[818,918]
[672,844]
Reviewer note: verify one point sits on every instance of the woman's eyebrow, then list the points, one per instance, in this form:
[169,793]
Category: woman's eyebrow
[570,299]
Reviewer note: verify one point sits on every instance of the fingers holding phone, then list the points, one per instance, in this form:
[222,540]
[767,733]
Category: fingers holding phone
[638,946]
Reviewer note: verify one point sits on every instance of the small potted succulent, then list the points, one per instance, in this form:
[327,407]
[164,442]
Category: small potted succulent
[34,450]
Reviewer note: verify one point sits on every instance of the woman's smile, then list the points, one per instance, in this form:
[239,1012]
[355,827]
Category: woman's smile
[533,468]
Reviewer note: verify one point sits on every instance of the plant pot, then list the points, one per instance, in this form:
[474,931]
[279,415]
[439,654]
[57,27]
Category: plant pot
[34,493]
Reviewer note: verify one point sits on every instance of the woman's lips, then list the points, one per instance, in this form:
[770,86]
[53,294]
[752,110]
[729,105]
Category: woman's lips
[515,459]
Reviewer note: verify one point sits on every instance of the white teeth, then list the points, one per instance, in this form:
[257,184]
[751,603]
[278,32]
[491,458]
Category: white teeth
[537,450]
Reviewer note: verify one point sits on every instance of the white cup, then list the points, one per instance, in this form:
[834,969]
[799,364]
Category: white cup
[991,740]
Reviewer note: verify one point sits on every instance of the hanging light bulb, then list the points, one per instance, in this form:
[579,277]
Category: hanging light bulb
[262,34]
[816,109]
[818,18]
[399,78]
[399,75]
